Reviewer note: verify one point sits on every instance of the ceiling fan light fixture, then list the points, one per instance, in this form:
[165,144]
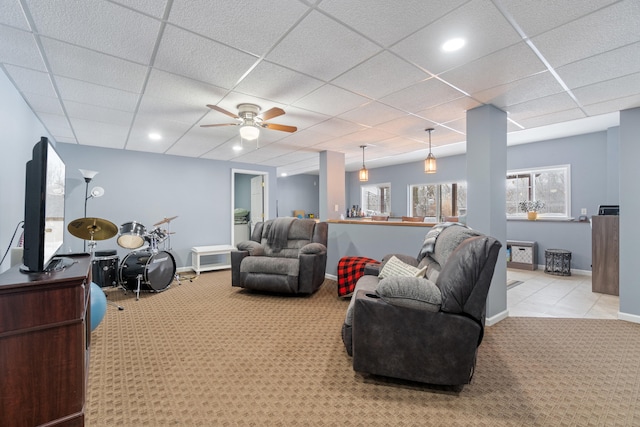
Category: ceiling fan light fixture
[249,132]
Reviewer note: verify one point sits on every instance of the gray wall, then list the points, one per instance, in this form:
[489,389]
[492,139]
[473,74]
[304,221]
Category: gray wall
[242,191]
[298,192]
[590,186]
[20,131]
[147,187]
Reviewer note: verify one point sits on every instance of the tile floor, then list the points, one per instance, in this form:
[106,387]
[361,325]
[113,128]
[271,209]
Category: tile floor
[546,295]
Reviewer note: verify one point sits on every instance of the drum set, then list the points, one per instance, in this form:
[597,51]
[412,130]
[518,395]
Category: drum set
[149,268]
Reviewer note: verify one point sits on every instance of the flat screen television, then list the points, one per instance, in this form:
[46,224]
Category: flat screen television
[43,207]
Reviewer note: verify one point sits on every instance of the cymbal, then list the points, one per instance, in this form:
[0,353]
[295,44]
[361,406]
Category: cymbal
[92,228]
[164,221]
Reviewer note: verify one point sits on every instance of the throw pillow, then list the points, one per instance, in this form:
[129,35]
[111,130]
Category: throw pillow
[395,267]
[412,292]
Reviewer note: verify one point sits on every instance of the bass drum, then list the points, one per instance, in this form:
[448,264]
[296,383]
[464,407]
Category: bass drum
[157,270]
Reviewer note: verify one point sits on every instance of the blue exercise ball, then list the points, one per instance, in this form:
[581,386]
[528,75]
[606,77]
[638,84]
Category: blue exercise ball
[98,305]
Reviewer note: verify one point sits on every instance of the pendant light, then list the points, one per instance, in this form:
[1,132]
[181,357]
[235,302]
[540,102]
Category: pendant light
[430,162]
[364,173]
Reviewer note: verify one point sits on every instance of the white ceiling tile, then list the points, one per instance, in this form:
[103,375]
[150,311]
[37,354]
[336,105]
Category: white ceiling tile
[331,100]
[337,127]
[11,14]
[369,136]
[617,104]
[478,22]
[247,28]
[521,90]
[193,56]
[276,83]
[606,29]
[609,65]
[372,114]
[98,114]
[44,104]
[93,67]
[507,65]
[407,126]
[422,95]
[321,47]
[198,141]
[160,108]
[19,47]
[181,89]
[222,152]
[301,118]
[543,15]
[57,125]
[31,81]
[170,131]
[87,93]
[386,22]
[537,107]
[82,23]
[448,111]
[379,76]
[304,138]
[150,7]
[99,134]
[609,90]
[556,117]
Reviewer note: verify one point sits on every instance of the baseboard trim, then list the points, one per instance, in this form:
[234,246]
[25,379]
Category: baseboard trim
[184,269]
[634,318]
[331,277]
[490,321]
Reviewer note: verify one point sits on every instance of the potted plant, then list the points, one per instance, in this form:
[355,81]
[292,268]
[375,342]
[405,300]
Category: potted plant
[531,207]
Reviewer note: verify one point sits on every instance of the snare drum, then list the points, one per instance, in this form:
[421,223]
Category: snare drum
[104,268]
[157,270]
[131,235]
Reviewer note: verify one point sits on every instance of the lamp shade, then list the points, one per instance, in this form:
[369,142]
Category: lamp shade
[363,174]
[430,164]
[87,174]
[249,132]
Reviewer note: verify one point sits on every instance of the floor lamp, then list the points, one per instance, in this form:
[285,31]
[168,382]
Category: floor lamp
[95,192]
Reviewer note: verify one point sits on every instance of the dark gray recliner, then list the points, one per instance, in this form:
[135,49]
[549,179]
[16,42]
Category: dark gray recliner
[425,329]
[284,255]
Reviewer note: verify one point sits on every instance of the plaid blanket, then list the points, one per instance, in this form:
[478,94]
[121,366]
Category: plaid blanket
[350,269]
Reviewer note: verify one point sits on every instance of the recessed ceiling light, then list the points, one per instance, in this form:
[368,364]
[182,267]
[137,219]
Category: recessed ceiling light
[237,147]
[453,45]
[283,174]
[155,136]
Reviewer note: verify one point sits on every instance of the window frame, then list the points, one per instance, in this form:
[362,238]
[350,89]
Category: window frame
[531,172]
[378,186]
[438,198]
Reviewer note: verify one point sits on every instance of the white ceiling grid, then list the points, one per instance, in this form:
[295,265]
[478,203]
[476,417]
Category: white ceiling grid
[107,73]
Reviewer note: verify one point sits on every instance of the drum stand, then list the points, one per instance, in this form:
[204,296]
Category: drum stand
[176,276]
[139,278]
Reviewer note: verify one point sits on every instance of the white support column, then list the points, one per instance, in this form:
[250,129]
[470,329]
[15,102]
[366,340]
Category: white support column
[332,186]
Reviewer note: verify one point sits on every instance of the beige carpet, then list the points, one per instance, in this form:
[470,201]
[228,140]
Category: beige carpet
[206,354]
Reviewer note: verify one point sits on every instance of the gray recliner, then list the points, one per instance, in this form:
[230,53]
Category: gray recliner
[284,255]
[426,329]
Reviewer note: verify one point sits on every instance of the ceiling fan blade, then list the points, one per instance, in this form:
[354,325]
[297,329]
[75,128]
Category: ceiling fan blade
[283,128]
[223,111]
[270,114]
[221,124]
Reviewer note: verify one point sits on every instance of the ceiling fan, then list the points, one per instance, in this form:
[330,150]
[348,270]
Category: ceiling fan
[250,121]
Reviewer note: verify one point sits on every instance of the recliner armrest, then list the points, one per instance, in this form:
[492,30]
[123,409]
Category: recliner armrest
[253,248]
[313,248]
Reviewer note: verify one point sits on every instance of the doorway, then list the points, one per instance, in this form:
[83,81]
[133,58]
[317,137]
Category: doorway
[249,191]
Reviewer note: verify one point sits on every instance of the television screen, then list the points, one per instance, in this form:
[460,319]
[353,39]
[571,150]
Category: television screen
[44,207]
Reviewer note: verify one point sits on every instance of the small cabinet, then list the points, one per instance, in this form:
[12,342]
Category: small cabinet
[523,255]
[605,257]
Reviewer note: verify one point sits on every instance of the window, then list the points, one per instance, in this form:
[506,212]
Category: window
[437,201]
[550,185]
[376,199]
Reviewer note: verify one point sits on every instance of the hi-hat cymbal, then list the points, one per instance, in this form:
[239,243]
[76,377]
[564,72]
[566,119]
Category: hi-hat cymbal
[92,228]
[164,221]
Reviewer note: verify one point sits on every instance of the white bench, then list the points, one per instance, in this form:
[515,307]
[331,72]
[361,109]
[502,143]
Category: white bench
[221,255]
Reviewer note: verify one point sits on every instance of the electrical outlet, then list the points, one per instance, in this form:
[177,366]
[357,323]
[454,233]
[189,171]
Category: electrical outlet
[583,211]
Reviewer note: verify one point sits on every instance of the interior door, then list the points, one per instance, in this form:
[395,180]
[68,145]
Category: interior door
[257,200]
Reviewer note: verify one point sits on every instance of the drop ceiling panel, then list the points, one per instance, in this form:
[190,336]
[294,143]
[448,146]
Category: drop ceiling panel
[322,48]
[372,114]
[549,119]
[421,96]
[550,104]
[199,58]
[383,21]
[609,90]
[381,75]
[291,157]
[183,90]
[449,111]
[618,104]
[94,67]
[170,130]
[99,134]
[407,126]
[331,100]
[93,112]
[247,28]
[478,22]
[57,125]
[150,7]
[540,16]
[199,141]
[606,66]
[304,138]
[507,65]
[87,93]
[81,22]
[284,86]
[11,14]
[44,104]
[369,136]
[601,31]
[531,87]
[337,127]
[157,109]
[31,81]
[19,48]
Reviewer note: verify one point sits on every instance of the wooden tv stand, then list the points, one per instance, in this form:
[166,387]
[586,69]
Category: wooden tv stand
[45,332]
